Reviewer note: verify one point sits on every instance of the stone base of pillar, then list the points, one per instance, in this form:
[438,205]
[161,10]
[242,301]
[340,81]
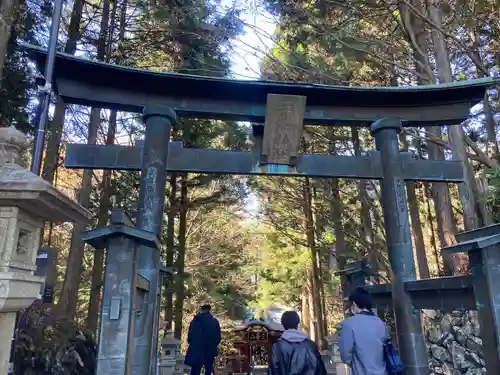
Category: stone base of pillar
[7,324]
[18,290]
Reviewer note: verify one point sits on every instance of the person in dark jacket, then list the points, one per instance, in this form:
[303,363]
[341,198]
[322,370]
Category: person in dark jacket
[294,353]
[203,338]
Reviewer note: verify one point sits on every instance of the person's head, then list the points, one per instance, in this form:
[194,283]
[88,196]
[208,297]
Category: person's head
[360,300]
[206,308]
[290,320]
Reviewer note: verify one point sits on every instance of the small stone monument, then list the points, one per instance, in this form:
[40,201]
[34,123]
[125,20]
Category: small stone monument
[26,202]
[335,366]
[170,350]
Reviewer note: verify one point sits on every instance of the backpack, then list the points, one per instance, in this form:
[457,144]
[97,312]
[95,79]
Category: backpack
[393,362]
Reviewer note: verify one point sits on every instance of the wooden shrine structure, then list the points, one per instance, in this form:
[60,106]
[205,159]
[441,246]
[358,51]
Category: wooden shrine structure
[247,338]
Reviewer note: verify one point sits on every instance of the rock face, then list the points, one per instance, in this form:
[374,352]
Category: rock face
[454,344]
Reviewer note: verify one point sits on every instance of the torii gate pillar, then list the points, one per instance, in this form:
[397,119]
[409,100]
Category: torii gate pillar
[409,332]
[158,120]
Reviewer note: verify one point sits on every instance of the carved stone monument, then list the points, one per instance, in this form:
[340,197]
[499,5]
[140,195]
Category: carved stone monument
[26,202]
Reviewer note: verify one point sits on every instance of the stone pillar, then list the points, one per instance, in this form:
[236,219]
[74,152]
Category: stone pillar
[409,332]
[26,202]
[121,240]
[159,120]
[483,247]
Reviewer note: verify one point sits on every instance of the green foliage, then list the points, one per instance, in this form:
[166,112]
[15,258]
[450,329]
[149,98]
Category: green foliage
[16,85]
[47,345]
[220,261]
[15,88]
[283,271]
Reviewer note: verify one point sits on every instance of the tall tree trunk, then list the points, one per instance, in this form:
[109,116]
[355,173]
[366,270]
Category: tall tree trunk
[51,159]
[102,220]
[74,267]
[8,10]
[366,219]
[418,37]
[54,137]
[172,213]
[492,149]
[306,319]
[432,231]
[106,186]
[337,211]
[340,244]
[416,224]
[491,136]
[181,255]
[429,194]
[320,261]
[491,133]
[456,132]
[311,242]
[482,194]
[313,324]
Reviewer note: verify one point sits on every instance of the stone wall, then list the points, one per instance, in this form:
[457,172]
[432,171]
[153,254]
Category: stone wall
[455,347]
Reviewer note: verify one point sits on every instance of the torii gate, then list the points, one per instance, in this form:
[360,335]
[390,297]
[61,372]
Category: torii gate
[284,108]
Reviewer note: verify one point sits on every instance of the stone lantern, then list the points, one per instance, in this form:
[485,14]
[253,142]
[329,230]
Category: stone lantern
[26,203]
[331,357]
[170,351]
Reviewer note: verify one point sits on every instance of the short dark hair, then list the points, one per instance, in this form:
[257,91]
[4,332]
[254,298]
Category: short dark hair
[206,307]
[290,320]
[361,298]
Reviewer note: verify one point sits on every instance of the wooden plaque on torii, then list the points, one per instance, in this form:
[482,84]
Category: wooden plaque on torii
[283,129]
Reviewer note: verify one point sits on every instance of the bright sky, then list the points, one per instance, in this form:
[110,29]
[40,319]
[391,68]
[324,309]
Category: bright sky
[247,55]
[251,47]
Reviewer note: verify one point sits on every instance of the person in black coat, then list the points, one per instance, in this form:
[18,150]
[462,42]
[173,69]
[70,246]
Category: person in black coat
[203,339]
[294,353]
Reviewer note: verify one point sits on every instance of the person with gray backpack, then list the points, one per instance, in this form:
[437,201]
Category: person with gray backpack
[364,344]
